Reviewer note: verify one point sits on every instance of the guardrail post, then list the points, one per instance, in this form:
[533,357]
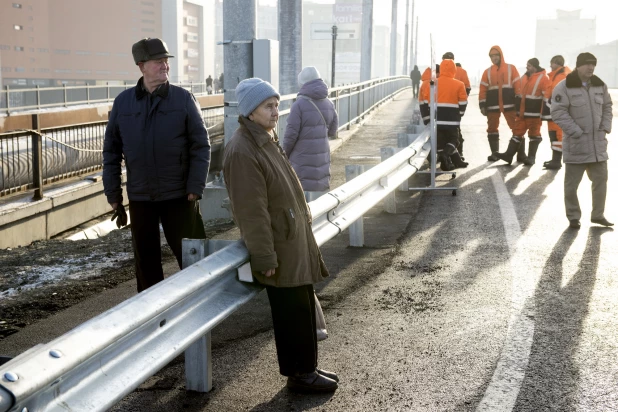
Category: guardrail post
[107,91]
[358,105]
[8,100]
[64,86]
[403,141]
[198,358]
[390,201]
[37,159]
[356,229]
[349,109]
[38,97]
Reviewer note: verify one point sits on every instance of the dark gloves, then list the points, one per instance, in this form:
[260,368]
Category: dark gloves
[468,90]
[121,214]
[517,102]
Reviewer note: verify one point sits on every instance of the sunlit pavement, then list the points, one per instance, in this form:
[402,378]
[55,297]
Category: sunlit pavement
[480,301]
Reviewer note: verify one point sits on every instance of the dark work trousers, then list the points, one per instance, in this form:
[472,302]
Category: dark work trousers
[180,219]
[447,135]
[293,311]
[415,89]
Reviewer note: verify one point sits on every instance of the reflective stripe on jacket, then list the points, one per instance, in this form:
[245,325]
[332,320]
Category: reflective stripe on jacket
[499,86]
[534,89]
[555,77]
[452,98]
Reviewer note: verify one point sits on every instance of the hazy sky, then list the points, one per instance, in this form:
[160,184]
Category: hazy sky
[469,28]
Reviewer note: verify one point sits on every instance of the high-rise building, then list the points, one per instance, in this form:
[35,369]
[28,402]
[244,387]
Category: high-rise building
[564,35]
[45,42]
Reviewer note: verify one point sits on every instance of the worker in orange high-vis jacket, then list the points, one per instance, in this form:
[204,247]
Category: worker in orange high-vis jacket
[462,76]
[451,101]
[499,93]
[534,85]
[559,72]
[423,100]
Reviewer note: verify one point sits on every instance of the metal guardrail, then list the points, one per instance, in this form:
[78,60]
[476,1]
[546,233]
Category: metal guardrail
[64,152]
[96,364]
[18,99]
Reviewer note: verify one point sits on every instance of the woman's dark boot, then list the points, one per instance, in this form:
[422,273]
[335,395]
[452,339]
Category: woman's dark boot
[521,152]
[458,161]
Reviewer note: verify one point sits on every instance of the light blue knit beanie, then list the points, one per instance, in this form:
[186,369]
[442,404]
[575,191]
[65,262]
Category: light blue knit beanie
[250,93]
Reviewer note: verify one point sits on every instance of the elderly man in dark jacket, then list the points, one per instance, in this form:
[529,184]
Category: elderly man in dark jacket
[312,121]
[582,107]
[159,131]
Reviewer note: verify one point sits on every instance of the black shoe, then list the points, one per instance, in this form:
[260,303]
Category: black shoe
[329,375]
[574,224]
[602,222]
[311,382]
[493,158]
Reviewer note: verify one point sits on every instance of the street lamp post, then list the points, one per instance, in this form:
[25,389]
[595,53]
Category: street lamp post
[332,75]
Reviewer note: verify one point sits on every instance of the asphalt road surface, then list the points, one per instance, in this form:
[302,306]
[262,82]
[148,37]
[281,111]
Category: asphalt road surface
[484,301]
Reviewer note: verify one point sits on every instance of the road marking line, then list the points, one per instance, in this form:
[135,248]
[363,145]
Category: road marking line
[502,391]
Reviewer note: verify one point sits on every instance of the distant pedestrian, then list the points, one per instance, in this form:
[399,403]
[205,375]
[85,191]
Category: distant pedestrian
[311,122]
[221,85]
[582,107]
[275,222]
[209,84]
[415,76]
[156,130]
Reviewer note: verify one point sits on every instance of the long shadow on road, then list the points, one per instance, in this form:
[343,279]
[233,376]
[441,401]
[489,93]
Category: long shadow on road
[553,379]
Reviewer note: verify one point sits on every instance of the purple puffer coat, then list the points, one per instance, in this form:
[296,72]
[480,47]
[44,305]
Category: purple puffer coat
[306,141]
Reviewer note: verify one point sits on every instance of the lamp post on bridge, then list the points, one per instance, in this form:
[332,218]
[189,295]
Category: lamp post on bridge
[332,75]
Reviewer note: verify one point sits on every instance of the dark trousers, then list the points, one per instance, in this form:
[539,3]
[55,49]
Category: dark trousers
[293,311]
[415,89]
[180,219]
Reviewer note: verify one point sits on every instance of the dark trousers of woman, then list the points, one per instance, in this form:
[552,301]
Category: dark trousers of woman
[293,311]
[180,219]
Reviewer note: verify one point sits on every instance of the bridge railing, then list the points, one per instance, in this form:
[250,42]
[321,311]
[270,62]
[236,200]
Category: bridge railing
[352,102]
[70,151]
[96,364]
[16,99]
[65,152]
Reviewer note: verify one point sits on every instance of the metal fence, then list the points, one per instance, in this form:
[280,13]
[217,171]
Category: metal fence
[16,99]
[352,102]
[96,364]
[64,152]
[69,151]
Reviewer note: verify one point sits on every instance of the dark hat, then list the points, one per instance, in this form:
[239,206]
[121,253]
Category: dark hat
[585,58]
[534,62]
[149,49]
[558,59]
[448,55]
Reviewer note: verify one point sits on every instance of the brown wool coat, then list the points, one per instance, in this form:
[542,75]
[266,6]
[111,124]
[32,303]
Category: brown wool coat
[269,208]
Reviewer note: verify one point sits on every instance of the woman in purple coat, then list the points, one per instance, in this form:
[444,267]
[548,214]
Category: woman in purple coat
[312,121]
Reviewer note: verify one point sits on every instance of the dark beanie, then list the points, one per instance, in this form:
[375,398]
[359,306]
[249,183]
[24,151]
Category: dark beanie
[448,55]
[585,58]
[558,59]
[534,62]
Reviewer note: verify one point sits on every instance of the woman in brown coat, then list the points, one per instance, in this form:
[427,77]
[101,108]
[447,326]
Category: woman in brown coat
[269,207]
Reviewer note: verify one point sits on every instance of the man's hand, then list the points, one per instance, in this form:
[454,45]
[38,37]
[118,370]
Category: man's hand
[192,196]
[268,273]
[114,206]
[484,111]
[120,215]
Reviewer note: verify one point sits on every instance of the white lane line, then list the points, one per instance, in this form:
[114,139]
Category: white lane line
[502,392]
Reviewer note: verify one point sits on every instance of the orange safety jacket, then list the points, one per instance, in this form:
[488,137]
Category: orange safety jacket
[555,77]
[534,90]
[423,94]
[499,86]
[462,76]
[452,98]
